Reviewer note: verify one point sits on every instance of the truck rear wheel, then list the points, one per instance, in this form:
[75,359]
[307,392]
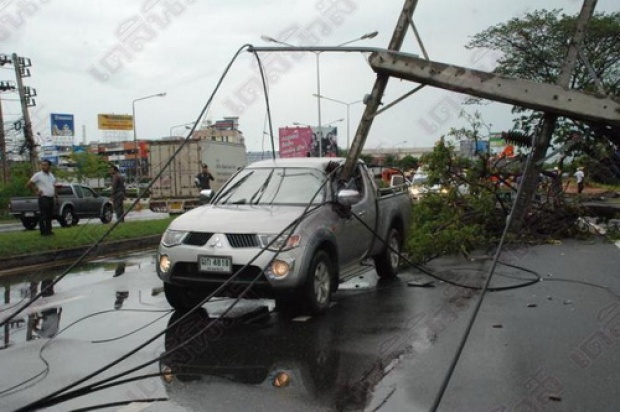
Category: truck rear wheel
[106,215]
[67,217]
[317,291]
[183,299]
[29,222]
[386,263]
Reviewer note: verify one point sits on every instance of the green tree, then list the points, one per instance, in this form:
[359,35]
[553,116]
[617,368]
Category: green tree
[20,174]
[409,162]
[534,47]
[88,165]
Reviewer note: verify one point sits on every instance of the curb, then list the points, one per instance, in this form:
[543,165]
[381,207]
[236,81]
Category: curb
[16,264]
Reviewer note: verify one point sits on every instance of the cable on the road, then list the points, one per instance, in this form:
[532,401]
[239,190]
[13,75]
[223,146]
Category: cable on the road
[133,331]
[45,371]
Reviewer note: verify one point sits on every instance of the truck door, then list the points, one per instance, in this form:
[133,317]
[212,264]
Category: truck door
[90,204]
[355,238]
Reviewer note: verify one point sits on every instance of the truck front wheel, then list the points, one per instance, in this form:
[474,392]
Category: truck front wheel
[317,291]
[29,222]
[386,263]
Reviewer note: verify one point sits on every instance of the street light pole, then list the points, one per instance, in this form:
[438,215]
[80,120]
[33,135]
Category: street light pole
[348,111]
[318,76]
[187,127]
[135,138]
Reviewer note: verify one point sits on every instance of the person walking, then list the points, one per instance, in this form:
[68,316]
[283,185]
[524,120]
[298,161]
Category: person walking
[43,183]
[117,195]
[203,179]
[580,177]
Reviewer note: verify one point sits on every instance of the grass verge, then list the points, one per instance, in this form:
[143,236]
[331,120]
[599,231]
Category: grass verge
[31,242]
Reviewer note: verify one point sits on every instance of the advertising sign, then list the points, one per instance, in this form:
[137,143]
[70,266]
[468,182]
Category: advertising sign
[329,141]
[115,121]
[62,124]
[304,141]
[295,141]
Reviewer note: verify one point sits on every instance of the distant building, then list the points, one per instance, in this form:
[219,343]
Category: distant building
[225,130]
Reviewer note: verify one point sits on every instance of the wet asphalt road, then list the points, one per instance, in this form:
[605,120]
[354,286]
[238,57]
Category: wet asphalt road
[554,345]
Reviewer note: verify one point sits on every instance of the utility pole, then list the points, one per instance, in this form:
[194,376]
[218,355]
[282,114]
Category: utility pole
[21,65]
[374,100]
[4,86]
[529,180]
[5,164]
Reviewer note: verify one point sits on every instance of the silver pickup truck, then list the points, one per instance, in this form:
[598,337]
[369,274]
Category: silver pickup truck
[289,227]
[74,202]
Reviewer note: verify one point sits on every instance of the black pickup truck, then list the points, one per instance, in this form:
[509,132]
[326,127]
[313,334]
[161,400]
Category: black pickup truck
[74,202]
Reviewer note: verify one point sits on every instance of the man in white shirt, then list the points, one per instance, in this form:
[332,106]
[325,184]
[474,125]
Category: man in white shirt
[43,183]
[580,177]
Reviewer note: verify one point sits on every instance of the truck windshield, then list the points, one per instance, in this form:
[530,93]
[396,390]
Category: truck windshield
[277,186]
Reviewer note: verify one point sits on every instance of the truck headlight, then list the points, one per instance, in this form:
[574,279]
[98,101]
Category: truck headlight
[173,237]
[280,243]
[164,263]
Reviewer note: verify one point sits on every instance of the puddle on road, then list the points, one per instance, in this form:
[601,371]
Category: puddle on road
[43,318]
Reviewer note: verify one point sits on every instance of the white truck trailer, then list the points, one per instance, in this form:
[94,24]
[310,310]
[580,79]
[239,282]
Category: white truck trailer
[175,190]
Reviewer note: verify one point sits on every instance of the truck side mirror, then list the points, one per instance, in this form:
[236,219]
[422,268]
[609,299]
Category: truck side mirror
[206,195]
[349,197]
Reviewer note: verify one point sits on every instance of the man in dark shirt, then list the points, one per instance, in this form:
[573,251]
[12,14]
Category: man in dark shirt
[118,192]
[203,179]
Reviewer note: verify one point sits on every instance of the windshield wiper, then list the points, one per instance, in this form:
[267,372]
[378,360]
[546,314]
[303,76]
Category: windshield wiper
[231,190]
[261,189]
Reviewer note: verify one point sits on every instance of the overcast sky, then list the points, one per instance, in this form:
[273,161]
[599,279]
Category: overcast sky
[87,59]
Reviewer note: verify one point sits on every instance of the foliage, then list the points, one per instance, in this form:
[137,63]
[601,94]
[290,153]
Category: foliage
[88,166]
[16,186]
[408,162]
[449,224]
[534,47]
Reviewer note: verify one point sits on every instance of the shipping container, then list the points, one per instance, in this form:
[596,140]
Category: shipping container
[174,188]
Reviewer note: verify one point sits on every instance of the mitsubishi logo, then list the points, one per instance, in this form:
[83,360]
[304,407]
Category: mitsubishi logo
[215,242]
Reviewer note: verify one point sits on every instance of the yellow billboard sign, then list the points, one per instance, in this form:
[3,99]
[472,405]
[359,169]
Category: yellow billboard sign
[115,121]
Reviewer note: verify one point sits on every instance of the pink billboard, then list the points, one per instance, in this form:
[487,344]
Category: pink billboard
[295,141]
[304,141]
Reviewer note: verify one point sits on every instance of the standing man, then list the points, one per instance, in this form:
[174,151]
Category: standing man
[203,179]
[118,192]
[43,184]
[580,177]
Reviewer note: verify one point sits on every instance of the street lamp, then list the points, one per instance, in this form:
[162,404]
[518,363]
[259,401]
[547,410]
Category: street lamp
[348,113]
[318,75]
[135,139]
[188,126]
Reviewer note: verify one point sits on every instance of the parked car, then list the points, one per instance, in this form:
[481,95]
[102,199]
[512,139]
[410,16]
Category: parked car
[75,202]
[204,247]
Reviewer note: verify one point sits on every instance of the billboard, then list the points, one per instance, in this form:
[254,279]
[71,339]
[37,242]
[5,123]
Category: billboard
[115,121]
[307,141]
[62,124]
[295,141]
[329,141]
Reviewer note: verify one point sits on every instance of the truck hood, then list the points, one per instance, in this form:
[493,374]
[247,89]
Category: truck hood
[237,219]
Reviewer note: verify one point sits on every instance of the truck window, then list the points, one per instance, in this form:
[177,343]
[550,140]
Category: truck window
[277,186]
[78,191]
[64,191]
[87,192]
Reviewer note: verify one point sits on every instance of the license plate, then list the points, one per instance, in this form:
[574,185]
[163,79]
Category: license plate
[175,205]
[29,214]
[215,264]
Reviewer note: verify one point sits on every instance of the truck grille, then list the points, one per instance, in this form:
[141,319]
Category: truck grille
[242,240]
[197,238]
